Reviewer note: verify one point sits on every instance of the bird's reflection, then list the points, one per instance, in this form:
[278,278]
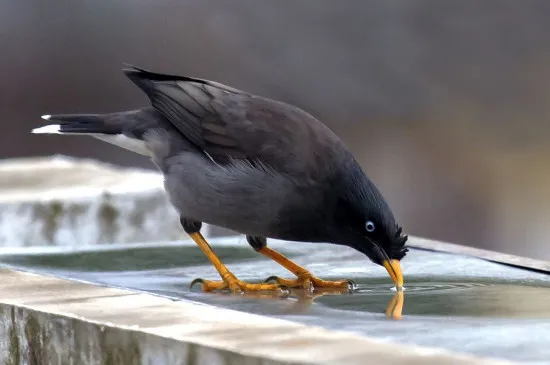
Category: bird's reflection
[302,300]
[395,306]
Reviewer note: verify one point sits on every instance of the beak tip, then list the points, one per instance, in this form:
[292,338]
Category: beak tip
[394,269]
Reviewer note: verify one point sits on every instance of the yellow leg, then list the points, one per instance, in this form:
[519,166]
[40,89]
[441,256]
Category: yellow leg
[229,281]
[305,279]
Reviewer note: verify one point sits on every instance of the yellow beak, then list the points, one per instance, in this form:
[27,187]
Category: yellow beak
[394,269]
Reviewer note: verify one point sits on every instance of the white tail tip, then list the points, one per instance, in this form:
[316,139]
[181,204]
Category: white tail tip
[46,117]
[49,129]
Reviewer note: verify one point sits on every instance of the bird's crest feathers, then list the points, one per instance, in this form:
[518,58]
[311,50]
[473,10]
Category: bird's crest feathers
[398,246]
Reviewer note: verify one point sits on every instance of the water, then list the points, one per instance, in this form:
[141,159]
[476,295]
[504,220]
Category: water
[427,297]
[459,303]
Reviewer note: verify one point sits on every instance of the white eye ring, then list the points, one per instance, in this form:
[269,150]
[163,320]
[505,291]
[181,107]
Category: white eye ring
[369,226]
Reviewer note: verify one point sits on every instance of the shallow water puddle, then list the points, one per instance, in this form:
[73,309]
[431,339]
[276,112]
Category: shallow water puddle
[458,303]
[457,299]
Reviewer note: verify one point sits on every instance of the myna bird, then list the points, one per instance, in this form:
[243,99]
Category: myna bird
[251,164]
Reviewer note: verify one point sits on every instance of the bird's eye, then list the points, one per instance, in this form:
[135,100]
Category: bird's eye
[369,226]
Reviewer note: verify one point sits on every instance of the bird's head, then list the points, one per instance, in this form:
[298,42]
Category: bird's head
[368,225]
[384,244]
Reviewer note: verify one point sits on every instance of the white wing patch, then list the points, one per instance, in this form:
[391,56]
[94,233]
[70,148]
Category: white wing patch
[120,140]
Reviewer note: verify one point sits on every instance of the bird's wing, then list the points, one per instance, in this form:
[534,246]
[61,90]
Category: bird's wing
[230,124]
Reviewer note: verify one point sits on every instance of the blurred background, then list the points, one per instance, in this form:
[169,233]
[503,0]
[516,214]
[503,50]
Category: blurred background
[444,103]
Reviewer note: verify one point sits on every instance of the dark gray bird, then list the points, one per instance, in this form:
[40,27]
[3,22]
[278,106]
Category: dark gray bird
[251,164]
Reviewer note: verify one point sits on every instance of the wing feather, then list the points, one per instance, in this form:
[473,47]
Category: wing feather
[229,124]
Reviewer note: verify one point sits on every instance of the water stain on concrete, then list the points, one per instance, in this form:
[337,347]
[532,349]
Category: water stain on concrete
[119,350]
[49,214]
[107,215]
[14,356]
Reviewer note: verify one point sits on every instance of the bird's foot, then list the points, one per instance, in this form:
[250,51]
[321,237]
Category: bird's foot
[236,286]
[309,283]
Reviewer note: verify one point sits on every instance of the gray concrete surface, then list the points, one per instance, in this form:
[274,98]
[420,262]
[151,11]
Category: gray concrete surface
[453,302]
[504,258]
[46,320]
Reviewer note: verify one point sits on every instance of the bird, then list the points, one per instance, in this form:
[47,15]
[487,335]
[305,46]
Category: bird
[258,166]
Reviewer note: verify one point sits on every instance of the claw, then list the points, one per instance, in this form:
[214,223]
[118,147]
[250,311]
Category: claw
[351,285]
[197,281]
[285,291]
[272,279]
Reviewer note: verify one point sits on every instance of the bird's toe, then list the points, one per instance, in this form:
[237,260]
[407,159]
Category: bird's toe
[236,286]
[311,283]
[208,286]
[288,283]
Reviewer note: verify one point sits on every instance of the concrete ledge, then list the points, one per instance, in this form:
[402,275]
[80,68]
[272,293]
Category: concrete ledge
[493,256]
[63,201]
[46,320]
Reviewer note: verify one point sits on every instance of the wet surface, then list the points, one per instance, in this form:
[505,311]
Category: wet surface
[455,302]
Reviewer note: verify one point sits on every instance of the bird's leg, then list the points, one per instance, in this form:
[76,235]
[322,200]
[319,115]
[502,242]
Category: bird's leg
[229,281]
[305,279]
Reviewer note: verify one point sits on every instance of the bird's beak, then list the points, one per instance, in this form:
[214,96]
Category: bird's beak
[392,266]
[394,269]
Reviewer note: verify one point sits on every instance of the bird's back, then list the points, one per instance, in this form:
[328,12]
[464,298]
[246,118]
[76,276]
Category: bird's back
[229,124]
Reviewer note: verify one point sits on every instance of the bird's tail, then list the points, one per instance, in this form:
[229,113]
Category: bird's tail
[124,129]
[78,124]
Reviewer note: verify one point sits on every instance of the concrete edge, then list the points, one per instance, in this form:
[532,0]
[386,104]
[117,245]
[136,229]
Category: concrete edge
[62,319]
[66,161]
[493,256]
